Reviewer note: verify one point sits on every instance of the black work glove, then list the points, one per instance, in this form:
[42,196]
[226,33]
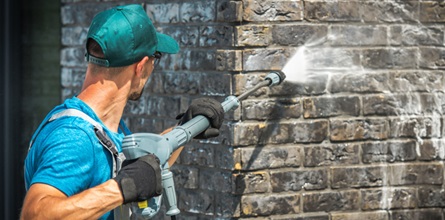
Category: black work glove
[140,179]
[211,109]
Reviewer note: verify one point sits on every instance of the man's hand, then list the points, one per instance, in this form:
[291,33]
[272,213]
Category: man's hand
[140,179]
[211,109]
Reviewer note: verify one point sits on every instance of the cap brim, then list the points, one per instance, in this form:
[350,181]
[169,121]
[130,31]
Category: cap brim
[167,44]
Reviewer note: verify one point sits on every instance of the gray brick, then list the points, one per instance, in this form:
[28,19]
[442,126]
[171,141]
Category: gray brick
[432,58]
[425,127]
[402,104]
[229,11]
[416,214]
[389,151]
[359,129]
[186,177]
[271,109]
[308,131]
[186,36]
[431,197]
[74,36]
[254,205]
[194,201]
[321,107]
[414,35]
[198,11]
[253,35]
[255,182]
[265,59]
[227,205]
[214,180]
[332,11]
[378,215]
[393,58]
[296,180]
[390,12]
[163,13]
[431,12]
[228,60]
[198,154]
[270,157]
[82,13]
[329,155]
[216,36]
[358,35]
[294,35]
[410,174]
[358,177]
[418,81]
[388,198]
[359,82]
[331,201]
[431,149]
[72,57]
[274,10]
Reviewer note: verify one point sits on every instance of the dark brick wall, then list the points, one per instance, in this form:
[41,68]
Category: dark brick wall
[361,138]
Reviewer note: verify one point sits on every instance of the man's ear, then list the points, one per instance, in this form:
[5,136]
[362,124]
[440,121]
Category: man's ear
[141,65]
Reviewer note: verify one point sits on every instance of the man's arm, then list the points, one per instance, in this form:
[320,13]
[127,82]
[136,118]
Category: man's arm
[43,201]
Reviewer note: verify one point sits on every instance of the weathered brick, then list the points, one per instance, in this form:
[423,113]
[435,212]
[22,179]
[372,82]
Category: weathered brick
[198,154]
[267,109]
[332,11]
[358,177]
[186,177]
[228,60]
[215,180]
[263,133]
[425,127]
[379,215]
[392,12]
[389,151]
[432,58]
[307,216]
[359,129]
[72,57]
[359,82]
[314,179]
[393,58]
[431,197]
[216,36]
[328,155]
[416,214]
[275,10]
[431,149]
[414,35]
[331,201]
[294,35]
[418,81]
[72,77]
[388,198]
[432,12]
[227,205]
[198,60]
[254,182]
[195,201]
[331,58]
[186,36]
[321,107]
[270,157]
[229,11]
[253,35]
[82,13]
[161,106]
[308,131]
[259,205]
[265,59]
[358,35]
[315,85]
[402,104]
[163,13]
[198,11]
[74,36]
[410,174]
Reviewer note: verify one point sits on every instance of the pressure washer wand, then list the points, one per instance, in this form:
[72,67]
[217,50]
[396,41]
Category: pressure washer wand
[140,144]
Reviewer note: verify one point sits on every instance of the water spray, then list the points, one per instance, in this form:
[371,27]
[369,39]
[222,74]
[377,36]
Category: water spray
[140,144]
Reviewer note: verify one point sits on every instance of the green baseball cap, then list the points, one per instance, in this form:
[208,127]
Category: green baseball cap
[126,35]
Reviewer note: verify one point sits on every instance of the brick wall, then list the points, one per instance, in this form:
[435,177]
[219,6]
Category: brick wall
[359,136]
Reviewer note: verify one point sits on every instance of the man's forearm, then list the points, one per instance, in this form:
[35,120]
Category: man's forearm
[89,204]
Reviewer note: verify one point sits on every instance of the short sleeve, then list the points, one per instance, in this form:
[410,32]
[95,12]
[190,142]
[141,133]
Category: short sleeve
[66,159]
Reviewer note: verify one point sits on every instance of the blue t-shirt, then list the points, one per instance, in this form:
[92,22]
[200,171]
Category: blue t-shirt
[67,154]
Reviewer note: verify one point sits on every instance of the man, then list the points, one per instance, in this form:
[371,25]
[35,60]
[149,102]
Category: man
[72,163]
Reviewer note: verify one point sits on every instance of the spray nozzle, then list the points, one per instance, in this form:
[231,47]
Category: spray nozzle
[275,78]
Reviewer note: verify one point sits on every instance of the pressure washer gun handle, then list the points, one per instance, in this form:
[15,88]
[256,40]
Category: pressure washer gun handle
[169,192]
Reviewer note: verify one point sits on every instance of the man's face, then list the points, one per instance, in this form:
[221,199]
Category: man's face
[146,74]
